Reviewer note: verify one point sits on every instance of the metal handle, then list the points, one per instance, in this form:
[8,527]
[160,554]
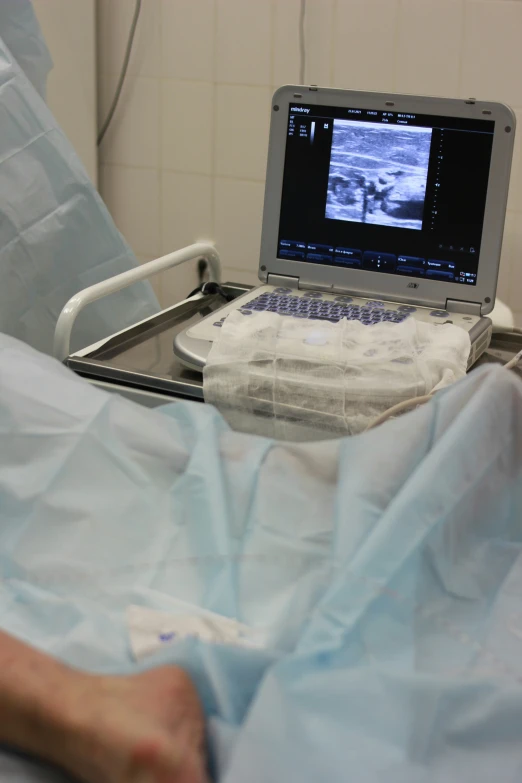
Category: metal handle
[65,323]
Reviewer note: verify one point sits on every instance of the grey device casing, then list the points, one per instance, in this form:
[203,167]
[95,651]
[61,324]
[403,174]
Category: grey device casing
[477,299]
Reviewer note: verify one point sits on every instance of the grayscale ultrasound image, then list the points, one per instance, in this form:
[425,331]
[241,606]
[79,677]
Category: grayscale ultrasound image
[378,174]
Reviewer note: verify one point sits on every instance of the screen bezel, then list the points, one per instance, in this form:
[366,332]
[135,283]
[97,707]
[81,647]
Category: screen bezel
[376,284]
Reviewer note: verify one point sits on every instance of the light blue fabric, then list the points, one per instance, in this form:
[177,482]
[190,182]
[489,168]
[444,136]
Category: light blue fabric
[56,235]
[23,37]
[386,569]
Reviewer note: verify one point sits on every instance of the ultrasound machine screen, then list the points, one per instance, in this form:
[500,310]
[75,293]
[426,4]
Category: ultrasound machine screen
[385,191]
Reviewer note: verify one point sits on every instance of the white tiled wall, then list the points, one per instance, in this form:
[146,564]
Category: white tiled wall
[185,157]
[70,33]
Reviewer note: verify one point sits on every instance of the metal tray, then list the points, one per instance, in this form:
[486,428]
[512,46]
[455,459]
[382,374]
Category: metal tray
[142,357]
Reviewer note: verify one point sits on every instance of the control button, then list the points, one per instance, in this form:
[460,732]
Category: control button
[282,291]
[314,248]
[246,312]
[313,295]
[379,262]
[448,322]
[439,313]
[437,274]
[297,254]
[218,323]
[412,271]
[348,252]
[413,261]
[442,270]
[291,245]
[449,266]
[344,299]
[467,318]
[353,262]
[407,309]
[319,258]
[373,303]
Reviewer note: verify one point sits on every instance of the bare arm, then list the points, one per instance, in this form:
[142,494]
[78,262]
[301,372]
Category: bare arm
[147,727]
[33,689]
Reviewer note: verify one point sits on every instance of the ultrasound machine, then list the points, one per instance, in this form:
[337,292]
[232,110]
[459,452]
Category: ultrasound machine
[378,207]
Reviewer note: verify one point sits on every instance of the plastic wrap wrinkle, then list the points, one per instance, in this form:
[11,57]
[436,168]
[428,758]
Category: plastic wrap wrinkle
[302,380]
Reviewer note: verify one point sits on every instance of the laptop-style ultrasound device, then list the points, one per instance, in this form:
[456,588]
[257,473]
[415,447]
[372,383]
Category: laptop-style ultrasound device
[378,207]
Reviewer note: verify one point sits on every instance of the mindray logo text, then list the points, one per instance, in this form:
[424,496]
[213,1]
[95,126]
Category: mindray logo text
[300,109]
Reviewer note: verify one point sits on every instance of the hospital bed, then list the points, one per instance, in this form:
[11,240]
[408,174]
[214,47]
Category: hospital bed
[139,363]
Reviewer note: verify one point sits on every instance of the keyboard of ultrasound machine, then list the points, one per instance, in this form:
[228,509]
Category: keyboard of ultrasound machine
[312,306]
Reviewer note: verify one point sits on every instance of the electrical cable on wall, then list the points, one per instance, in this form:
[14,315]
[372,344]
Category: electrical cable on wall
[124,68]
[302,43]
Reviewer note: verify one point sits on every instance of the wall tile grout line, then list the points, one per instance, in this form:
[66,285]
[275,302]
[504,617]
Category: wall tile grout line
[333,40]
[160,278]
[398,18]
[462,45]
[213,167]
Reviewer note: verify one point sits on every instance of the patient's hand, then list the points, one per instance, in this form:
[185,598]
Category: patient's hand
[145,728]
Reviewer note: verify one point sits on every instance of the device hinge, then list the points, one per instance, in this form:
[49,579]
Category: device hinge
[470,308]
[306,286]
[283,281]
